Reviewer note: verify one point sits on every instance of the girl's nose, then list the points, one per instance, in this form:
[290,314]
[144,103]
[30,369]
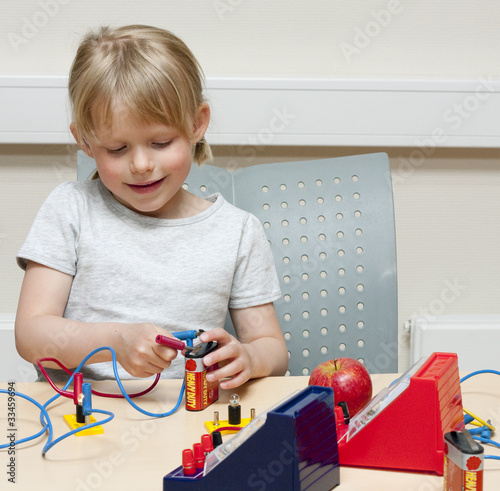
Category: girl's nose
[141,162]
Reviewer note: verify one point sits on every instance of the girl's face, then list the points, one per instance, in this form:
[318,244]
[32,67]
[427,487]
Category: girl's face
[145,165]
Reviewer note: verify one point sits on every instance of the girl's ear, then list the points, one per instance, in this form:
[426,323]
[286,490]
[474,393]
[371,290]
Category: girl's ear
[82,144]
[201,122]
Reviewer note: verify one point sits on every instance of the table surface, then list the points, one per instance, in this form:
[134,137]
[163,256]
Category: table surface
[136,451]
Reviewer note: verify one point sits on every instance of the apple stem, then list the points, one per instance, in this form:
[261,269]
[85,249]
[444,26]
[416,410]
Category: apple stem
[335,364]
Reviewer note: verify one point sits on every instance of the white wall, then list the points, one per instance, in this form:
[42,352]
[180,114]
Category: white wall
[292,38]
[446,199]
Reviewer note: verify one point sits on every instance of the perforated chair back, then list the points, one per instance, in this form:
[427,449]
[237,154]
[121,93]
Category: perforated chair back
[330,224]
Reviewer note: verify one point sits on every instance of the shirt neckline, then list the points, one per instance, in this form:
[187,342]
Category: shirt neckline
[217,199]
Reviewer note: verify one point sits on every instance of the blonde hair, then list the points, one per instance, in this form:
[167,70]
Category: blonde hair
[148,71]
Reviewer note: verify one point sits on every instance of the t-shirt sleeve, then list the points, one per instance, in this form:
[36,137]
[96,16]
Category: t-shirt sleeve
[255,280]
[53,237]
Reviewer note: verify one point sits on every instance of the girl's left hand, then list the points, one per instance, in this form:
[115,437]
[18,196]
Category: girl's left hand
[233,357]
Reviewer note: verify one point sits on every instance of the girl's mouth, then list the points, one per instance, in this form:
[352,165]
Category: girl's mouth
[146,188]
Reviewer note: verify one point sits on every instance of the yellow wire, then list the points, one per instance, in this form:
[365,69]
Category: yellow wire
[477,418]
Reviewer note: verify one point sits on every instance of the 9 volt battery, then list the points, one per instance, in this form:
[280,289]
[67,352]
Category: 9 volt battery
[199,392]
[463,462]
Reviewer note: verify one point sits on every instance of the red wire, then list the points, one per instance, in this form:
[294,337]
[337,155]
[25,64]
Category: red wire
[70,395]
[235,429]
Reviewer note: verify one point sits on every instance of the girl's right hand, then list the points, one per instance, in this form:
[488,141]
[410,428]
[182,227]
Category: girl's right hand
[137,350]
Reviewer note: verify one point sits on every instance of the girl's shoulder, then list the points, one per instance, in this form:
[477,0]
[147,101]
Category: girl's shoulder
[76,188]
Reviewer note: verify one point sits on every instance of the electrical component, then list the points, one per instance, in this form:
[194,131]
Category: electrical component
[83,416]
[188,464]
[207,443]
[199,455]
[463,462]
[200,393]
[234,423]
[172,343]
[216,438]
[234,410]
[84,389]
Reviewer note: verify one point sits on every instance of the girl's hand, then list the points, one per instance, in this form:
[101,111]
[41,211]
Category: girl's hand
[233,357]
[137,350]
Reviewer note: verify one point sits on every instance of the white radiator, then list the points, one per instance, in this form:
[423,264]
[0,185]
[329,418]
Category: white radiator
[12,366]
[474,338]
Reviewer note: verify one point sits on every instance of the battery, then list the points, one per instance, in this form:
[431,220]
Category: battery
[199,392]
[463,462]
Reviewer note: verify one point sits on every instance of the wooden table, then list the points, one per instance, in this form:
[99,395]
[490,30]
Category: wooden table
[136,451]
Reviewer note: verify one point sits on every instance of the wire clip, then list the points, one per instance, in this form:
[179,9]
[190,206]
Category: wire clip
[234,423]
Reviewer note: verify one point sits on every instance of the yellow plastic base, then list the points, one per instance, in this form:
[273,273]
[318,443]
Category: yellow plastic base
[210,426]
[70,420]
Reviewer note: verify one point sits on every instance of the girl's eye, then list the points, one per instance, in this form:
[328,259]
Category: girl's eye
[115,150]
[162,144]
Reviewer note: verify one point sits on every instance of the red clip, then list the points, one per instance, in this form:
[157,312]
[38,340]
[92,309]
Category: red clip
[207,443]
[77,388]
[199,455]
[188,463]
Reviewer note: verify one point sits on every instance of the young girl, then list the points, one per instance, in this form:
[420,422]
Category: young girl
[117,260]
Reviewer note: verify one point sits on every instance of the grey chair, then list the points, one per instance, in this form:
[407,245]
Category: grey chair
[330,224]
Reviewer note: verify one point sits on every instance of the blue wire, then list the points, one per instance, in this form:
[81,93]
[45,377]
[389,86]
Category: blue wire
[479,430]
[43,411]
[478,372]
[49,444]
[45,418]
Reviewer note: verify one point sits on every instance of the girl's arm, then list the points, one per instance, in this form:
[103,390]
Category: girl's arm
[41,330]
[259,351]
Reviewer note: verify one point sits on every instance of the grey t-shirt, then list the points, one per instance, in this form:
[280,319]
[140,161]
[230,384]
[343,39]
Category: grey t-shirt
[179,274]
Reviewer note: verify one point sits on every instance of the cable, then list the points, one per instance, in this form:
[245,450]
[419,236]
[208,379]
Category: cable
[50,444]
[478,372]
[45,418]
[477,418]
[46,426]
[68,394]
[184,335]
[120,385]
[486,427]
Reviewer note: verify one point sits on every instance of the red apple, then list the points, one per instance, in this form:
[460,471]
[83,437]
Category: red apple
[349,380]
